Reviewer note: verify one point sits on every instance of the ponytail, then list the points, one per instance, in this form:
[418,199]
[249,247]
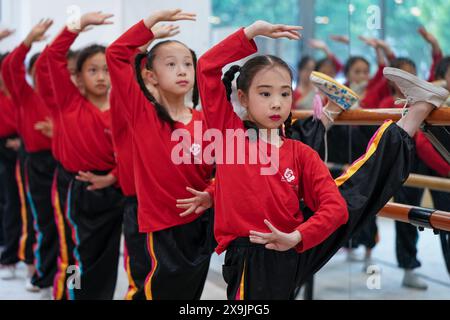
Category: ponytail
[195,93]
[160,110]
[288,127]
[228,78]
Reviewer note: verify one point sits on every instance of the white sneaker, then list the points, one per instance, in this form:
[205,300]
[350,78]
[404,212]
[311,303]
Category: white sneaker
[416,90]
[46,294]
[30,287]
[8,273]
[412,280]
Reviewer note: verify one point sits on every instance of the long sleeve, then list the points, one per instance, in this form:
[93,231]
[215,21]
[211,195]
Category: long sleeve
[8,80]
[322,196]
[119,55]
[379,76]
[218,111]
[376,94]
[430,156]
[63,89]
[43,80]
[437,57]
[18,74]
[337,64]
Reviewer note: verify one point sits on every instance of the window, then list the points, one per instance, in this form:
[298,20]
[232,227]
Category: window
[228,15]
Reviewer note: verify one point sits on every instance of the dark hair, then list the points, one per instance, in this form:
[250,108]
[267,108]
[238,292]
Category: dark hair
[442,68]
[303,62]
[162,112]
[2,57]
[33,61]
[322,62]
[86,53]
[398,62]
[352,61]
[73,54]
[246,75]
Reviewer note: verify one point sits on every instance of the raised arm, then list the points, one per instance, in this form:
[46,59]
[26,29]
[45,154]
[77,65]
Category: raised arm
[217,109]
[8,80]
[120,53]
[43,80]
[5,33]
[321,45]
[63,88]
[436,52]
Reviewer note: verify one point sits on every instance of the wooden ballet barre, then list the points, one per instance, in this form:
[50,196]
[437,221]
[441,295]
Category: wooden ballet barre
[420,217]
[414,180]
[432,183]
[439,117]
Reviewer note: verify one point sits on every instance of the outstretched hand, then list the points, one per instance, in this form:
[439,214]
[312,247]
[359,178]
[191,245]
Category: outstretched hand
[199,203]
[318,45]
[5,33]
[340,38]
[274,31]
[96,182]
[428,37]
[45,127]
[276,240]
[165,31]
[169,16]
[38,33]
[97,18]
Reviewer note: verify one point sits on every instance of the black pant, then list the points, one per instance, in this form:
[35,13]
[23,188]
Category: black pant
[28,233]
[367,186]
[60,188]
[11,221]
[39,170]
[96,220]
[407,235]
[137,260]
[180,260]
[345,145]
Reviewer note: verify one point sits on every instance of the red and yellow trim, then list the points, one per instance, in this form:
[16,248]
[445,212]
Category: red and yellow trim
[148,281]
[240,295]
[63,259]
[371,149]
[23,213]
[132,288]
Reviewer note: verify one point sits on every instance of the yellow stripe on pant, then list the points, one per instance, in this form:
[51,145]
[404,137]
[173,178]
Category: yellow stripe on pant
[23,213]
[132,285]
[63,263]
[148,281]
[371,149]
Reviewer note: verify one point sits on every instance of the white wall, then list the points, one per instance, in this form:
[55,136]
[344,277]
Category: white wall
[21,15]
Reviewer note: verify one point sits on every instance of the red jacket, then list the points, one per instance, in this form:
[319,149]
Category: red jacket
[8,117]
[244,197]
[31,107]
[85,131]
[123,146]
[159,180]
[45,90]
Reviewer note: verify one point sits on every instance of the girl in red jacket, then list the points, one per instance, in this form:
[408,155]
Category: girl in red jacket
[136,259]
[94,206]
[39,164]
[272,246]
[180,246]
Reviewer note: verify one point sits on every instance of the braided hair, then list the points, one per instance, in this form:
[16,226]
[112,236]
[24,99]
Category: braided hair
[161,111]
[246,75]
